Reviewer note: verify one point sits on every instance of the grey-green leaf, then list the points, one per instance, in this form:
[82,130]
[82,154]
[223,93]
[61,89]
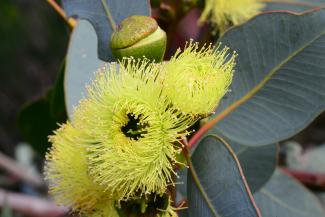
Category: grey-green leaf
[81,63]
[216,186]
[258,163]
[315,3]
[278,86]
[94,12]
[290,6]
[285,197]
[293,5]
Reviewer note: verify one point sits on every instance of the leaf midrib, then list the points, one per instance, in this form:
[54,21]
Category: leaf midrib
[259,86]
[201,189]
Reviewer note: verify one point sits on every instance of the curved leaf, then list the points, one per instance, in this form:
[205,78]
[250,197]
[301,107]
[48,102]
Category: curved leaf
[258,163]
[278,6]
[216,185]
[278,87]
[94,12]
[81,63]
[283,196]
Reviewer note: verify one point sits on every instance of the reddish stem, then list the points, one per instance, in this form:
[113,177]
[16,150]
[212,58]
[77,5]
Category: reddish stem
[182,204]
[30,206]
[310,179]
[60,11]
[197,136]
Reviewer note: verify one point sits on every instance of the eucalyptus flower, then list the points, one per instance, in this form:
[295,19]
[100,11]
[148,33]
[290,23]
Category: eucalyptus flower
[224,13]
[196,79]
[67,172]
[135,130]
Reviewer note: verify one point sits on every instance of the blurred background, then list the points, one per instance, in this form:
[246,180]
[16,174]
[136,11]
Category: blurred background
[33,44]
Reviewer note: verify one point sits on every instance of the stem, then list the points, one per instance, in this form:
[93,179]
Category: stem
[71,21]
[30,205]
[19,172]
[182,205]
[310,179]
[109,15]
[197,136]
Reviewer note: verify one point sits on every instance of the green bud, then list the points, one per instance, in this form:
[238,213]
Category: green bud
[139,36]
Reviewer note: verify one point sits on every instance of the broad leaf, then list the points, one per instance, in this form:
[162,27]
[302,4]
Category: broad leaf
[315,3]
[258,163]
[278,6]
[216,185]
[292,5]
[283,196]
[183,213]
[278,86]
[94,12]
[81,63]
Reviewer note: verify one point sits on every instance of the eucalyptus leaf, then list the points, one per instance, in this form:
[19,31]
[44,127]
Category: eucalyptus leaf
[81,63]
[182,213]
[278,87]
[314,3]
[284,196]
[285,5]
[293,5]
[258,163]
[216,185]
[94,12]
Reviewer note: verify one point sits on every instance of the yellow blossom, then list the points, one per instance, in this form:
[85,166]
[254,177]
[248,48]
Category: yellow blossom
[67,172]
[196,79]
[135,129]
[224,13]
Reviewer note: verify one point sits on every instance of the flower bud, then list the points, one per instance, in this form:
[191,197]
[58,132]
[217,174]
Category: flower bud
[139,36]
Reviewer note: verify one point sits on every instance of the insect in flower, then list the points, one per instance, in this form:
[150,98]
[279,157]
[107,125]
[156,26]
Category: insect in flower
[196,79]
[67,172]
[223,13]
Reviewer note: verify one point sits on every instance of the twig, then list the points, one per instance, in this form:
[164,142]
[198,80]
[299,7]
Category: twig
[71,21]
[310,179]
[14,169]
[109,15]
[181,205]
[30,206]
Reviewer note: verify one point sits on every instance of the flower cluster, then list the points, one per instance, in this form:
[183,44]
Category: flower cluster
[123,141]
[224,13]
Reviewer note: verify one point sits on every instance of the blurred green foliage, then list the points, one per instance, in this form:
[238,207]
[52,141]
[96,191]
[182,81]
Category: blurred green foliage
[33,42]
[37,120]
